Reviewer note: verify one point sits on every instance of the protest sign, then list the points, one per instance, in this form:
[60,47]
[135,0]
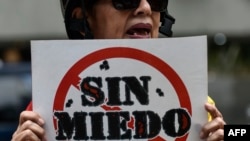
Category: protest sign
[146,89]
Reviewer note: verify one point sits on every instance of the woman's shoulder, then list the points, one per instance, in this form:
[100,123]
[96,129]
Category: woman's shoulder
[29,107]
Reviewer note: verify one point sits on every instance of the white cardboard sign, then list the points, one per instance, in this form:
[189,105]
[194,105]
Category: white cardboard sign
[145,89]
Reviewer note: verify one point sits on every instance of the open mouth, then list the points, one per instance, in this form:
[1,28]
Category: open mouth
[139,31]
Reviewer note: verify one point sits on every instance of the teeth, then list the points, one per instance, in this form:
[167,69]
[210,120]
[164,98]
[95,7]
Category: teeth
[141,33]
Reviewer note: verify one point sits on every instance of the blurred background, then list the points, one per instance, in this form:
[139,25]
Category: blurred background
[225,22]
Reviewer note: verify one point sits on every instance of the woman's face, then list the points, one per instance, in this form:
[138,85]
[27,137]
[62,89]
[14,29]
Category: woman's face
[106,22]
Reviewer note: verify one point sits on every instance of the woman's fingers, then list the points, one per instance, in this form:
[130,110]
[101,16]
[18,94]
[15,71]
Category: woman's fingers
[214,129]
[214,112]
[25,135]
[218,135]
[30,127]
[30,115]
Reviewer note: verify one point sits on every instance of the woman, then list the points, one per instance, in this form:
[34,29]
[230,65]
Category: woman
[110,19]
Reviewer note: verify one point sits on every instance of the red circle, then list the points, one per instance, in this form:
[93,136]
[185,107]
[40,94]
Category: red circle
[71,77]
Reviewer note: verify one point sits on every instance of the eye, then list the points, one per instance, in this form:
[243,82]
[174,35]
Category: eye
[125,4]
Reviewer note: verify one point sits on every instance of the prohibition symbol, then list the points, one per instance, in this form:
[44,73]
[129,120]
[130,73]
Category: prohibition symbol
[71,78]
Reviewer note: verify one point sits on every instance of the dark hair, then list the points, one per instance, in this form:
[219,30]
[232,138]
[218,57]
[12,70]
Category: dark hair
[88,4]
[73,25]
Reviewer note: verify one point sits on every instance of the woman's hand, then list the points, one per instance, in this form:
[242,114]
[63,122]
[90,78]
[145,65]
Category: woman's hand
[30,128]
[214,129]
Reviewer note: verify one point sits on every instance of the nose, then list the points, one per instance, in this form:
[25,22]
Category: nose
[143,9]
